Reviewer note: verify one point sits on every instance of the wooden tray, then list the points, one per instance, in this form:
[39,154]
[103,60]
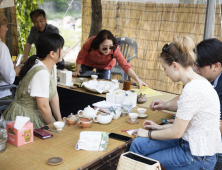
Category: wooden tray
[92,90]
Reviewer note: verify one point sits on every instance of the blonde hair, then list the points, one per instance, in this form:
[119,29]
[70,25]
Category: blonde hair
[183,49]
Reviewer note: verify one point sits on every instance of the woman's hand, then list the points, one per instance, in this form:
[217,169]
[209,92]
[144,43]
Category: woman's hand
[158,105]
[17,69]
[76,73]
[149,124]
[141,83]
[141,133]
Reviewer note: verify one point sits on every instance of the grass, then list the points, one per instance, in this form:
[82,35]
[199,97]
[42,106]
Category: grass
[60,15]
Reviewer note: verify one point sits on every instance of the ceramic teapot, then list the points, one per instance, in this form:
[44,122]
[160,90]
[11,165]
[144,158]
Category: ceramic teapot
[70,120]
[88,112]
[103,118]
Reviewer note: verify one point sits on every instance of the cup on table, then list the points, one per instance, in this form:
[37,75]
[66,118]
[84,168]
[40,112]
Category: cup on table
[59,125]
[133,116]
[84,123]
[126,85]
[94,77]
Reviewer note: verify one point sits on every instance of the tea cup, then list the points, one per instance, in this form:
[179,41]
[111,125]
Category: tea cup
[94,77]
[133,116]
[84,123]
[59,125]
[141,111]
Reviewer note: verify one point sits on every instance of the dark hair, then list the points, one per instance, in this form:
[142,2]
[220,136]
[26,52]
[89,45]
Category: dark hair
[209,51]
[37,13]
[45,44]
[182,48]
[101,36]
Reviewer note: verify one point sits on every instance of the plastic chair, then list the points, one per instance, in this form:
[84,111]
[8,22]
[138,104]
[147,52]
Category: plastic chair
[126,47]
[4,103]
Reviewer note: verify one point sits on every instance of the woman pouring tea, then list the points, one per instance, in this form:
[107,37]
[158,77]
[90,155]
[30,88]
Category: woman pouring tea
[97,53]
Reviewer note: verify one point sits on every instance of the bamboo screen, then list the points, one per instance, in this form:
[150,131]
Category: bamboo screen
[151,25]
[14,32]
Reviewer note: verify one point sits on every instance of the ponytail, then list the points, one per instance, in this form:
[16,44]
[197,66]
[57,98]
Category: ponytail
[28,65]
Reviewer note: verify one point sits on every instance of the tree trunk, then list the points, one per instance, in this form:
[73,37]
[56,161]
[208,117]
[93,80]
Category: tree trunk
[96,23]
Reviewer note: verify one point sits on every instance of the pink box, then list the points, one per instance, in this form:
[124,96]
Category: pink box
[20,137]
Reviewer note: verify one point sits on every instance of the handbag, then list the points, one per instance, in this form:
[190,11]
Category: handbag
[131,160]
[92,141]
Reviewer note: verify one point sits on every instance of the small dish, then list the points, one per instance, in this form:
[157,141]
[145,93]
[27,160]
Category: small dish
[133,116]
[94,77]
[81,80]
[59,125]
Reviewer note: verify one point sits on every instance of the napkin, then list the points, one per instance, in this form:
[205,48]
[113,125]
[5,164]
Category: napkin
[105,105]
[20,122]
[130,132]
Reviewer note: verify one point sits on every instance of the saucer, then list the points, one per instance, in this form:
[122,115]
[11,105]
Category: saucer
[142,116]
[54,161]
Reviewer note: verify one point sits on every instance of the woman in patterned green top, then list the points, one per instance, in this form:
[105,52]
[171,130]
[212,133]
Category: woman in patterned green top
[36,96]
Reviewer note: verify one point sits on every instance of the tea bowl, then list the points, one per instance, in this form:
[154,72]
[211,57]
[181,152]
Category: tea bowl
[59,125]
[133,116]
[84,123]
[94,77]
[141,111]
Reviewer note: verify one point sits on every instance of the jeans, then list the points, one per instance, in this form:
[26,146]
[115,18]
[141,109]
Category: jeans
[219,155]
[174,154]
[106,73]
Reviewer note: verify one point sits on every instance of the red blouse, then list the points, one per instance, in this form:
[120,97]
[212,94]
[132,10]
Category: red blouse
[101,61]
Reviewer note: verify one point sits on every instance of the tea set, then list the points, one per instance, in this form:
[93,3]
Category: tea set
[88,114]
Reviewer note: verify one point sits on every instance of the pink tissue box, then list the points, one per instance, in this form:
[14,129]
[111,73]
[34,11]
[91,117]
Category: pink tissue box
[20,137]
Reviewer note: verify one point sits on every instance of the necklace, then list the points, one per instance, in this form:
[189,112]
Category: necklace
[188,79]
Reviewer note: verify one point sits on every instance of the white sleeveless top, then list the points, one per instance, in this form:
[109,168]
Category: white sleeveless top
[200,104]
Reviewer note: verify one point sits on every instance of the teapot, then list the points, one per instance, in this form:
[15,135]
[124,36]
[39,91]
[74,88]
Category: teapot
[70,120]
[103,118]
[88,112]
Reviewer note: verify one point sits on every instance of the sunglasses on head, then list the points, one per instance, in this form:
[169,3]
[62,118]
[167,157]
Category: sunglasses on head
[106,48]
[199,63]
[164,49]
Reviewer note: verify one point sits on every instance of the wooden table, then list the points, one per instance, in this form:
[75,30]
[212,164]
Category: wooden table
[34,155]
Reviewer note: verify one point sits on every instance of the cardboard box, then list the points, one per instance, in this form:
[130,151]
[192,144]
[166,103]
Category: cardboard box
[19,137]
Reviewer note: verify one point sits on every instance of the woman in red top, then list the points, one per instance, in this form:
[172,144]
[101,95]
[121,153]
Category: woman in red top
[96,53]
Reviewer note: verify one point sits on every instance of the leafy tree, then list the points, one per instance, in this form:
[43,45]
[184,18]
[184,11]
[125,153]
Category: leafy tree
[23,9]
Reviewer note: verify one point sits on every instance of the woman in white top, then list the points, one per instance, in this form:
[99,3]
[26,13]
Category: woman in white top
[193,140]
[36,96]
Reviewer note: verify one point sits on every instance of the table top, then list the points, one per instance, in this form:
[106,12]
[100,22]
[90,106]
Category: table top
[34,155]
[164,97]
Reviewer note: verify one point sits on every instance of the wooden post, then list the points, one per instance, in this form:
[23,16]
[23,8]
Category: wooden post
[96,23]
[209,18]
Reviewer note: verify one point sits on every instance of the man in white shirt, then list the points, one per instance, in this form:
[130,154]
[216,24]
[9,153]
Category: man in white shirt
[7,70]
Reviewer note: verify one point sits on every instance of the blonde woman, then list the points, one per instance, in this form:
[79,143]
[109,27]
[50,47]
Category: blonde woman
[194,138]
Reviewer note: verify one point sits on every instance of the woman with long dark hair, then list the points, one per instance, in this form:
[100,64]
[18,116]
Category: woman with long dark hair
[36,94]
[97,52]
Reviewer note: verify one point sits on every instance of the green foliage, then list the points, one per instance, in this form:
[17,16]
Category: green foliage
[60,15]
[23,9]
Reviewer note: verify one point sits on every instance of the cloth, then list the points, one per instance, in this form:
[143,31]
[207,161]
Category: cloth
[174,154]
[40,83]
[218,87]
[100,61]
[7,72]
[34,33]
[25,105]
[105,105]
[102,74]
[89,73]
[3,19]
[200,104]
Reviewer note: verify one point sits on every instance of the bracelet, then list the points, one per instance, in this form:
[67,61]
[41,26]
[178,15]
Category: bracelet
[149,135]
[168,105]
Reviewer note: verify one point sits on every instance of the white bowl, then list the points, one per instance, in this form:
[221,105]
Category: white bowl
[94,77]
[59,125]
[141,111]
[133,116]
[115,81]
